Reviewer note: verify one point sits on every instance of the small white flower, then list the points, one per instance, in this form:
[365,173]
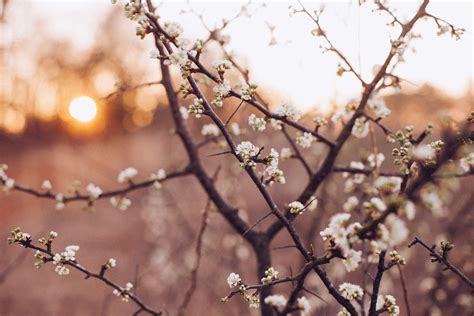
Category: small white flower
[57,258]
[343,312]
[9,185]
[275,300]
[61,270]
[285,153]
[467,162]
[154,53]
[388,184]
[179,57]
[313,203]
[276,124]
[422,152]
[270,275]
[351,291]
[53,234]
[197,107]
[247,91]
[408,209]
[222,89]
[305,140]
[94,191]
[122,203]
[375,204]
[46,185]
[235,129]
[360,128]
[222,65]
[127,175]
[296,207]
[248,151]
[376,160]
[254,301]
[320,121]
[289,111]
[303,304]
[352,260]
[111,263]
[351,204]
[59,201]
[210,130]
[173,29]
[184,112]
[233,280]
[157,177]
[379,107]
[257,123]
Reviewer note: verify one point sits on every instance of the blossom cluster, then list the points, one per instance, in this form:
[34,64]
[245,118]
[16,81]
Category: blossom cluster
[342,236]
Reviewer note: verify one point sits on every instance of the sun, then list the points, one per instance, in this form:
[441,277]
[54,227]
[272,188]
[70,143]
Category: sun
[83,109]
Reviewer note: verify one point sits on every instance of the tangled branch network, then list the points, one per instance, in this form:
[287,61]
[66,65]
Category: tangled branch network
[372,222]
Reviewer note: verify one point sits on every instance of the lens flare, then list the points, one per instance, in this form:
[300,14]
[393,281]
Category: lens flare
[83,109]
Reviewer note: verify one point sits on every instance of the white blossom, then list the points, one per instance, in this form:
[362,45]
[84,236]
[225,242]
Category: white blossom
[184,112]
[59,201]
[275,300]
[360,128]
[61,270]
[303,305]
[375,204]
[247,91]
[433,202]
[289,111]
[248,151]
[388,184]
[46,185]
[233,280]
[222,65]
[375,161]
[313,203]
[350,291]
[257,123]
[296,207]
[408,209]
[94,191]
[276,124]
[285,153]
[122,203]
[351,204]
[379,107]
[173,29]
[157,177]
[422,152]
[154,53]
[235,129]
[352,260]
[223,88]
[179,57]
[305,140]
[466,163]
[270,275]
[343,312]
[9,184]
[127,175]
[210,130]
[111,263]
[196,108]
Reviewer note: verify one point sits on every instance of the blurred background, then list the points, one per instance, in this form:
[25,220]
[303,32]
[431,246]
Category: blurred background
[70,110]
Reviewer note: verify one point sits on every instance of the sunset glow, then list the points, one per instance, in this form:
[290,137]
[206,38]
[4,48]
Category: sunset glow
[83,109]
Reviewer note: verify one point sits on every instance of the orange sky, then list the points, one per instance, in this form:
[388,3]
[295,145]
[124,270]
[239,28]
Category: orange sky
[295,66]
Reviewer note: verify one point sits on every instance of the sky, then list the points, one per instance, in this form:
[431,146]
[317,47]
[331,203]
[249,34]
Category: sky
[296,68]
